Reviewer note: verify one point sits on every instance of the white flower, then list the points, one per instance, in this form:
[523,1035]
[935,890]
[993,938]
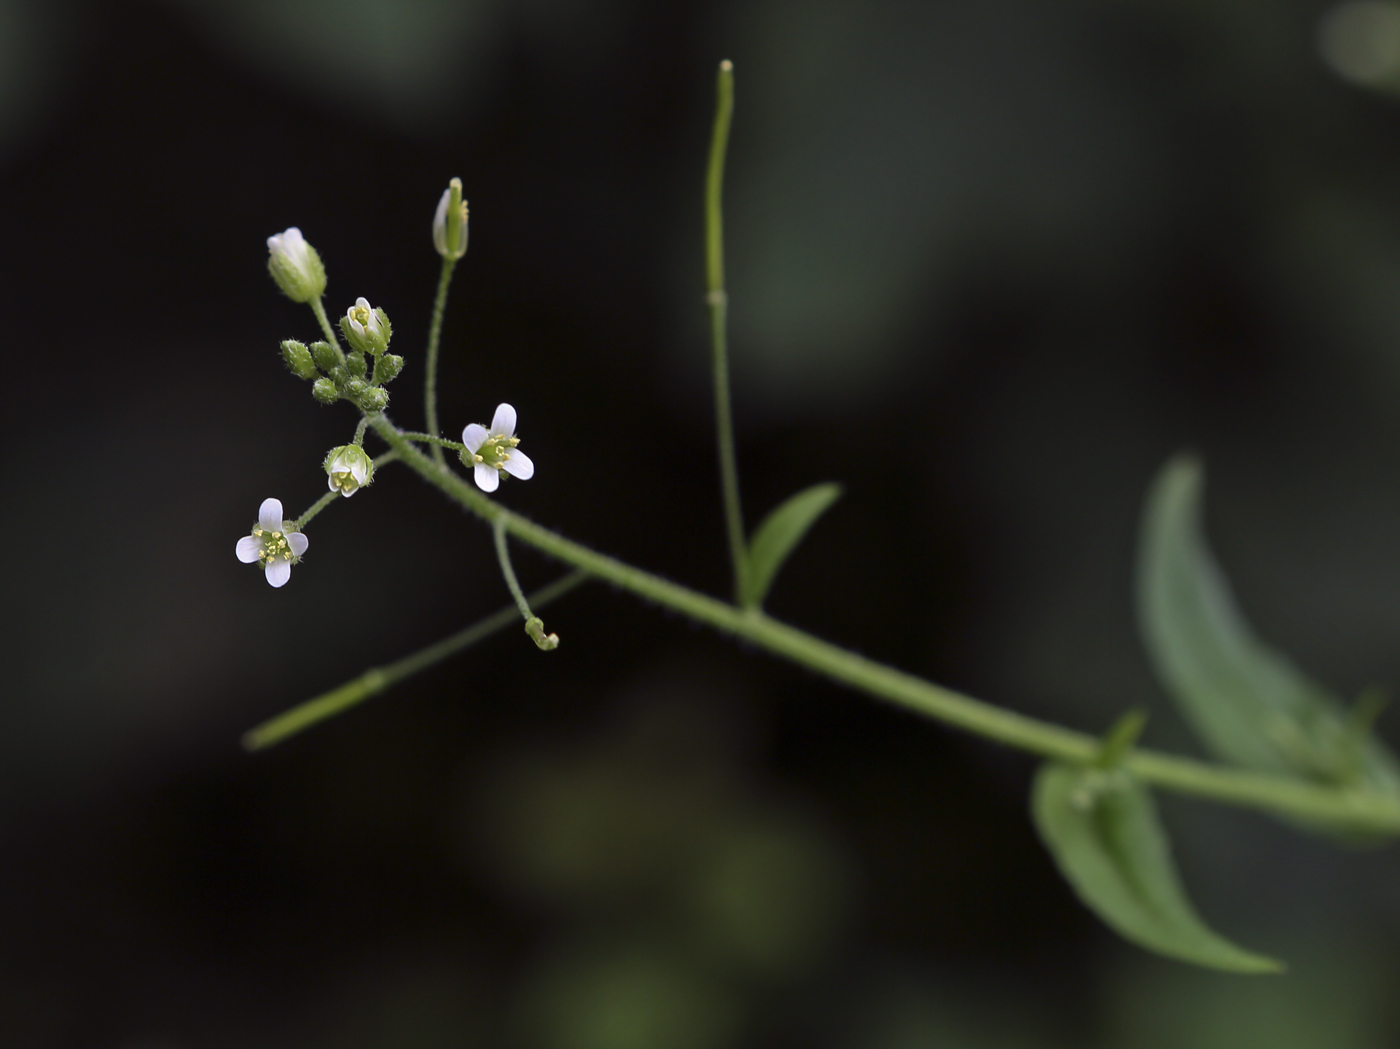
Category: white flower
[273,543]
[446,218]
[295,266]
[367,329]
[493,452]
[348,469]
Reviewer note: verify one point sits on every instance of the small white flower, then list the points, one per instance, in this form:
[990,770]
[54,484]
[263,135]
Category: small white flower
[295,266]
[348,469]
[493,452]
[366,328]
[273,544]
[446,218]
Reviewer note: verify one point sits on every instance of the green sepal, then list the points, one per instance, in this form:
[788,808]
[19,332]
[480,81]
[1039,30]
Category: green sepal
[387,368]
[299,360]
[1102,830]
[776,538]
[324,353]
[373,399]
[1248,703]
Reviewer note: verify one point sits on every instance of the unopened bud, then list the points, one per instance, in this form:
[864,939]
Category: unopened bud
[298,358]
[295,266]
[355,388]
[387,368]
[374,399]
[534,626]
[348,469]
[356,363]
[324,353]
[450,222]
[324,391]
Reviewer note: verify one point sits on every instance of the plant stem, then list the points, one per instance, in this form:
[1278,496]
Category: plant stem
[318,308]
[434,339]
[498,530]
[360,432]
[718,302]
[377,679]
[1276,794]
[330,497]
[427,438]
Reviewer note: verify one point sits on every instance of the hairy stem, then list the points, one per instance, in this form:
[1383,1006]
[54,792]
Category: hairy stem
[430,411]
[1276,794]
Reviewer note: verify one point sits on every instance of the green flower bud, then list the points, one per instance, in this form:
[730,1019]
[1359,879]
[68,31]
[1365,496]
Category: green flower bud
[356,361]
[374,399]
[295,266]
[339,375]
[450,222]
[298,359]
[366,329]
[387,368]
[355,389]
[324,391]
[348,469]
[324,353]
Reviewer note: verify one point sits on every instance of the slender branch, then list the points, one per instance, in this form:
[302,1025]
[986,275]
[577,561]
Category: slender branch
[377,679]
[1276,794]
[718,301]
[498,530]
[318,308]
[360,432]
[434,339]
[427,438]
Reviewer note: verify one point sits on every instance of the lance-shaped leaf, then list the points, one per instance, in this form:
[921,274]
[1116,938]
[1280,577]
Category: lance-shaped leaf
[1248,703]
[779,535]
[1101,827]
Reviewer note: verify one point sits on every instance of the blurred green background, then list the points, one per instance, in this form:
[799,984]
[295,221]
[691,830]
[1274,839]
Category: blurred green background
[991,262]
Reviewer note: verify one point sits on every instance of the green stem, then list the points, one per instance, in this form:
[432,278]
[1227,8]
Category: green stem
[360,432]
[318,308]
[718,301]
[1276,794]
[377,679]
[498,530]
[443,442]
[434,339]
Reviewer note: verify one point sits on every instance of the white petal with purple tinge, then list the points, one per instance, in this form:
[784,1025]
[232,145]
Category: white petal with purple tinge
[270,515]
[248,549]
[474,436]
[520,465]
[487,479]
[298,543]
[279,572]
[503,422]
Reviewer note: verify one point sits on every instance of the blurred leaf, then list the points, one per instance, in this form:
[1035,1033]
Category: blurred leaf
[779,535]
[1248,703]
[1102,829]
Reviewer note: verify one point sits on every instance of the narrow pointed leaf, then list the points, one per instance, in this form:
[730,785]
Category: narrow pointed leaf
[779,535]
[1248,703]
[1102,829]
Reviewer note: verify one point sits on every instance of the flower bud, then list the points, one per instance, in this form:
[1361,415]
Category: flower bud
[374,399]
[298,359]
[324,353]
[366,329]
[295,266]
[324,391]
[450,222]
[356,388]
[356,364]
[348,469]
[387,368]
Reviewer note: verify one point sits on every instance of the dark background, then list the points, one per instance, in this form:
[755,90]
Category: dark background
[991,263]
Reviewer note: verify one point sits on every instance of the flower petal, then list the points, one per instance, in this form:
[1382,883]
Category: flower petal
[270,515]
[248,548]
[520,465]
[298,543]
[503,422]
[279,572]
[474,436]
[362,301]
[487,479]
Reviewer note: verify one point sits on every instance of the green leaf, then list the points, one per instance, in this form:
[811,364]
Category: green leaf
[779,535]
[1101,827]
[1248,703]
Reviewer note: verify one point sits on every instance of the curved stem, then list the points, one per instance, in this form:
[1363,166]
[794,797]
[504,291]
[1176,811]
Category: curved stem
[718,301]
[377,679]
[503,555]
[330,497]
[1275,794]
[318,308]
[434,339]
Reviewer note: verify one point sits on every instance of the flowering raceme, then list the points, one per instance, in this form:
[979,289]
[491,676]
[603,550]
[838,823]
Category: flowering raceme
[273,544]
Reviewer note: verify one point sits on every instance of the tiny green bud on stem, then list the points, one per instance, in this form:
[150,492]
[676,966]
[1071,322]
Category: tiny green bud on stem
[450,222]
[298,359]
[324,391]
[387,368]
[324,353]
[295,266]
